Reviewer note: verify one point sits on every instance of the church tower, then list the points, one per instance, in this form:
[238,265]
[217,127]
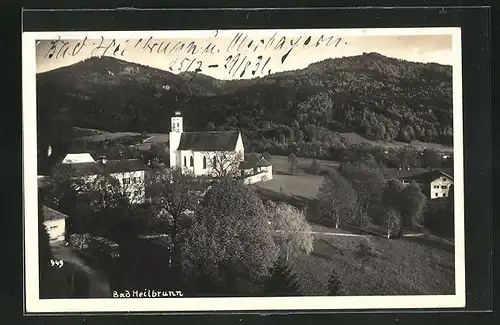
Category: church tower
[176,129]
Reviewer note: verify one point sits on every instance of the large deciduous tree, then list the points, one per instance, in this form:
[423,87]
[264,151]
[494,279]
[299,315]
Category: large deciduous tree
[337,199]
[412,205]
[291,230]
[230,245]
[367,180]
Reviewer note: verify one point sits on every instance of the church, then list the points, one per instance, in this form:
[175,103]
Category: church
[210,153]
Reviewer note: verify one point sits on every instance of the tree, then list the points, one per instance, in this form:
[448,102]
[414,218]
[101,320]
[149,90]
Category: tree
[337,199]
[393,221]
[392,207]
[230,245]
[282,281]
[367,181]
[173,195]
[292,159]
[364,250]
[224,163]
[292,232]
[316,167]
[412,205]
[334,285]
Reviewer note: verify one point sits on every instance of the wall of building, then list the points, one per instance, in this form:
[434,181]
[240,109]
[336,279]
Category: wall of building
[440,187]
[56,229]
[197,168]
[265,174]
[133,183]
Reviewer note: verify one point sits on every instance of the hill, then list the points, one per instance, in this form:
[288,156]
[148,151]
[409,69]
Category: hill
[378,97]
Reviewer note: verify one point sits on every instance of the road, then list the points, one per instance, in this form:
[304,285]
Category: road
[99,285]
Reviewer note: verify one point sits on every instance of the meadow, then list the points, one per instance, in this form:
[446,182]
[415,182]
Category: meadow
[400,267]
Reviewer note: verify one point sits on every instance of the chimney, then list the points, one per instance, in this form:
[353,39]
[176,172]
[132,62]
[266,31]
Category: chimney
[102,159]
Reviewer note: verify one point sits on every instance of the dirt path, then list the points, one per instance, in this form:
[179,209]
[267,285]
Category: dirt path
[99,285]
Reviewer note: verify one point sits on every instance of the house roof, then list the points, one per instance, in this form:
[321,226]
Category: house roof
[125,165]
[51,214]
[417,173]
[209,141]
[429,176]
[395,173]
[263,163]
[94,168]
[248,164]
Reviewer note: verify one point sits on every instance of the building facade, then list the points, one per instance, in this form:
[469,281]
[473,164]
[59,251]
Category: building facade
[130,173]
[434,183]
[55,223]
[204,153]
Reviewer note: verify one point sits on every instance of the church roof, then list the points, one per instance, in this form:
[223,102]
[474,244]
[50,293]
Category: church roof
[209,141]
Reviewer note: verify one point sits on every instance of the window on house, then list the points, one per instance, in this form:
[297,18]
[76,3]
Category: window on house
[444,194]
[444,179]
[126,181]
[443,187]
[191,161]
[436,194]
[436,186]
[204,162]
[185,164]
[215,162]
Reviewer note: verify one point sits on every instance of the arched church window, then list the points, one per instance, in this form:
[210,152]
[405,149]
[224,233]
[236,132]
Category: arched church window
[215,162]
[204,162]
[191,161]
[185,161]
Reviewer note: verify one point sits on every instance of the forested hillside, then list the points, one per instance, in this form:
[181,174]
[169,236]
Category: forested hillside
[378,97]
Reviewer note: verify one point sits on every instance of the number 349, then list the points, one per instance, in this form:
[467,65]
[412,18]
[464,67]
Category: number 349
[56,263]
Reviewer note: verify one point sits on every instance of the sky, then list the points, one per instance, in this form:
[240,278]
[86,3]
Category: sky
[238,54]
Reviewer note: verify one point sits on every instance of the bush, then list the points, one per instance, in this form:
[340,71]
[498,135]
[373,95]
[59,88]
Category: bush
[334,285]
[80,241]
[365,250]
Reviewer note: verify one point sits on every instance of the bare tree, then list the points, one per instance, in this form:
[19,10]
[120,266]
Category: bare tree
[173,195]
[224,163]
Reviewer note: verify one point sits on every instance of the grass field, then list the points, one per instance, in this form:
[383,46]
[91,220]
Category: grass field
[305,186]
[301,183]
[402,267]
[108,136]
[356,138]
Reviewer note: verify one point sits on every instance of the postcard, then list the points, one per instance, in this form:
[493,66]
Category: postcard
[243,170]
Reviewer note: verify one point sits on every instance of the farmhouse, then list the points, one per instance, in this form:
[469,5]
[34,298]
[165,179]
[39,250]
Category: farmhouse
[434,183]
[55,222]
[213,153]
[130,173]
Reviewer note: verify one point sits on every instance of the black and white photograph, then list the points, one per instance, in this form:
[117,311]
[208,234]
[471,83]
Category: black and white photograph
[259,169]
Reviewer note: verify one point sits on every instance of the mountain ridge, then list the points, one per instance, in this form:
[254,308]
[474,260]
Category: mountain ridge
[377,96]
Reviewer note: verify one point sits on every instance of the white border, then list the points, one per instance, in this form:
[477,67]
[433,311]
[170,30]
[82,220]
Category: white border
[35,305]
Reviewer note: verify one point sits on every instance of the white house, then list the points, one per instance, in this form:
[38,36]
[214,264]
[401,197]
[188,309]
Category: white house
[55,222]
[434,183]
[204,153]
[256,171]
[129,172]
